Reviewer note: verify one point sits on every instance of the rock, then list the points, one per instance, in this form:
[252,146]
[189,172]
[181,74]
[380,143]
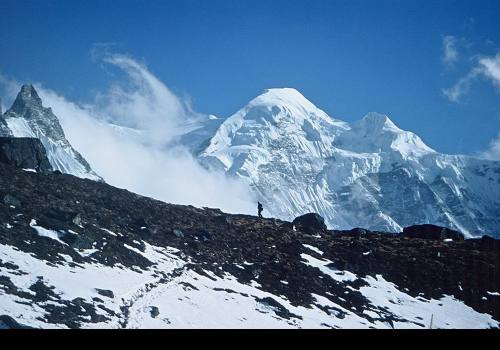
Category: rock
[205,235]
[24,153]
[489,243]
[357,231]
[138,224]
[154,311]
[178,233]
[58,219]
[428,231]
[223,219]
[105,292]
[77,220]
[7,322]
[79,241]
[310,221]
[11,200]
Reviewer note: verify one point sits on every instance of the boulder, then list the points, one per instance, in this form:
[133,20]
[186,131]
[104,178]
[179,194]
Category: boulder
[178,233]
[7,322]
[25,153]
[59,219]
[489,243]
[310,221]
[223,219]
[154,311]
[428,231]
[11,200]
[357,231]
[105,292]
[204,235]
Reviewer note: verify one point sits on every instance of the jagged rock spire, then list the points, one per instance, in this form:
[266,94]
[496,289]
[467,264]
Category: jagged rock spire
[27,97]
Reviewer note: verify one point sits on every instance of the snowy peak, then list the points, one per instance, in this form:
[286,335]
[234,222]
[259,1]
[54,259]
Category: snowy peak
[278,124]
[29,118]
[376,133]
[283,105]
[283,97]
[377,121]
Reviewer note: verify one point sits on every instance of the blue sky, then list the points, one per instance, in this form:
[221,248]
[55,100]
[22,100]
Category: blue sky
[430,65]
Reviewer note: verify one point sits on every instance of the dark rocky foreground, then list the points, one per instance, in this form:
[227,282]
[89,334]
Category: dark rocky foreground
[430,267]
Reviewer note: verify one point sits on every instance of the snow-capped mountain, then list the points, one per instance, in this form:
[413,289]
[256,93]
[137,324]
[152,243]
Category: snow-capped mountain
[29,118]
[369,174]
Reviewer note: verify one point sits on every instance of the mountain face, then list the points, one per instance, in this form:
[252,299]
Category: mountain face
[83,254]
[369,174]
[28,118]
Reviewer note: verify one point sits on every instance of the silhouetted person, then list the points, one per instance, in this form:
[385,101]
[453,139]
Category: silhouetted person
[259,209]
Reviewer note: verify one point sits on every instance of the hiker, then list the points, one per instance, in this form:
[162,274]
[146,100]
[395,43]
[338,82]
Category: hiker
[259,209]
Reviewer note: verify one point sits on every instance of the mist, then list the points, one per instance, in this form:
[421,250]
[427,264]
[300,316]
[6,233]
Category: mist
[125,134]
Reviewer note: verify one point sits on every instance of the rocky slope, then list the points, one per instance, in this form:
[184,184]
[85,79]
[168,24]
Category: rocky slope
[368,174]
[29,118]
[79,253]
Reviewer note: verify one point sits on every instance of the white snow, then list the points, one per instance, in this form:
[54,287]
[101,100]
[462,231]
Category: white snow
[41,231]
[185,301]
[337,275]
[448,312]
[314,249]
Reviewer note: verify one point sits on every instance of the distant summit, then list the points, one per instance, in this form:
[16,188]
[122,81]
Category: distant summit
[29,118]
[26,98]
[369,173]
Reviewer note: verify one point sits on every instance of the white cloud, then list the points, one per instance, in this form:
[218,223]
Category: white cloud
[144,102]
[461,87]
[493,152]
[450,49]
[487,67]
[9,88]
[490,68]
[138,156]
